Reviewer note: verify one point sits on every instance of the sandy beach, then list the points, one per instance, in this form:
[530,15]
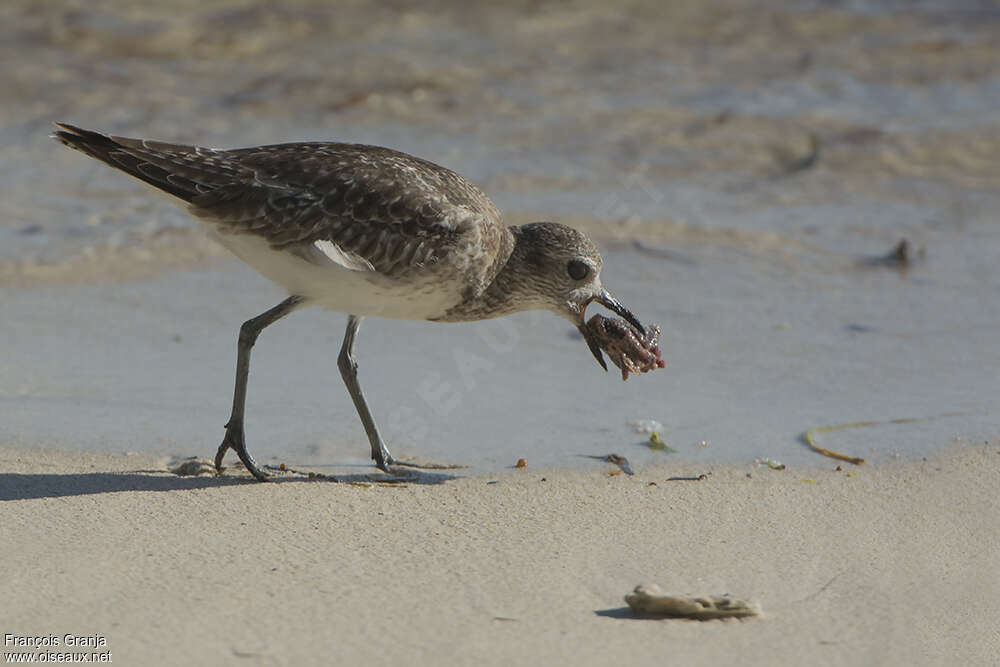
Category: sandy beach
[894,564]
[748,171]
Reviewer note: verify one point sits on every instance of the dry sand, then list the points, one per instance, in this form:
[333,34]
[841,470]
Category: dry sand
[894,565]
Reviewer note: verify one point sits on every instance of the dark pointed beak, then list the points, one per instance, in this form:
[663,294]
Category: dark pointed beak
[611,303]
[614,305]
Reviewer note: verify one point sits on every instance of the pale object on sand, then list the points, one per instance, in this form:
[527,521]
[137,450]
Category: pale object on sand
[193,467]
[652,601]
[646,426]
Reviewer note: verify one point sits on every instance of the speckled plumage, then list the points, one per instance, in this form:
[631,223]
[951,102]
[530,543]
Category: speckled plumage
[367,231]
[409,222]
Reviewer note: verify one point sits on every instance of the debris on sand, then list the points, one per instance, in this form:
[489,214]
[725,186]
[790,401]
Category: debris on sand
[621,462]
[771,463]
[688,478]
[650,600]
[902,256]
[194,467]
[646,426]
[657,443]
[809,438]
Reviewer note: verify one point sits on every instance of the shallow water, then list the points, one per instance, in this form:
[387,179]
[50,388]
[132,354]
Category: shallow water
[756,356]
[759,154]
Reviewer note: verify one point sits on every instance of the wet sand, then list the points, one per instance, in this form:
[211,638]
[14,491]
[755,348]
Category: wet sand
[756,356]
[747,170]
[893,565]
[743,167]
[843,126]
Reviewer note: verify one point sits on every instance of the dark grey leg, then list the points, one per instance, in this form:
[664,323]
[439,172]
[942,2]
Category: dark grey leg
[234,428]
[349,371]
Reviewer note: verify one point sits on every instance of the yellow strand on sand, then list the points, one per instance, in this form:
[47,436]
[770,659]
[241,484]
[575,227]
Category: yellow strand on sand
[808,437]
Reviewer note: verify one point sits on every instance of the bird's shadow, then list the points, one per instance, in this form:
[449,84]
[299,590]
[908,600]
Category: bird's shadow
[22,486]
[628,614]
[618,612]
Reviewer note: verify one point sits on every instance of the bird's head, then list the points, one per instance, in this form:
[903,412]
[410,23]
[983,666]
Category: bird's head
[566,269]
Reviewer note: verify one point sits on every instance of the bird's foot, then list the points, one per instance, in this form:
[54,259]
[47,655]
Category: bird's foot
[383,459]
[389,460]
[235,439]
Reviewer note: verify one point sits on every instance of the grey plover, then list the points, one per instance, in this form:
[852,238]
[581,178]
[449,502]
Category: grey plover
[367,231]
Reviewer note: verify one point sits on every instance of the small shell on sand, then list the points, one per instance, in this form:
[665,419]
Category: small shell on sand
[194,467]
[650,600]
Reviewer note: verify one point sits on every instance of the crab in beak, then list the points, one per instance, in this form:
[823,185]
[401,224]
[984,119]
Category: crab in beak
[611,303]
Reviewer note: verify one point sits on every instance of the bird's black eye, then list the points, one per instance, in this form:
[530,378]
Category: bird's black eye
[578,269]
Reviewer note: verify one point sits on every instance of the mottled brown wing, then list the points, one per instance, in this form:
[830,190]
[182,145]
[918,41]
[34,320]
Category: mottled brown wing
[393,210]
[182,171]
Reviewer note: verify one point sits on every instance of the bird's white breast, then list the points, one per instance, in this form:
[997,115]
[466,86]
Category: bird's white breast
[329,283]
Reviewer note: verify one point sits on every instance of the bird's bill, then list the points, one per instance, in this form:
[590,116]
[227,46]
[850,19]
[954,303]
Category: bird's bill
[611,303]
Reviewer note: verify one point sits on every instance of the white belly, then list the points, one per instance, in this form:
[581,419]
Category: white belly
[332,286]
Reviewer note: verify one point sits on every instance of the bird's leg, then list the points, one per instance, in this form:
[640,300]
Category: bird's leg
[349,371]
[234,428]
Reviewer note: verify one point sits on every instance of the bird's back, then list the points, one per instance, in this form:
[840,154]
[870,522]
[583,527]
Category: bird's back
[395,218]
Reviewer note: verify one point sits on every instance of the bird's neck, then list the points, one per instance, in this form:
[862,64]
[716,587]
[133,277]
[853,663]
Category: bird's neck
[509,291]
